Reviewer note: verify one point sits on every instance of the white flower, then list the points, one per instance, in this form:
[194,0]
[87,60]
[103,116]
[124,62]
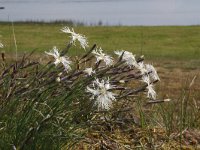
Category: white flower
[94,92]
[101,56]
[60,59]
[119,53]
[146,79]
[128,57]
[142,68]
[74,36]
[152,72]
[1,45]
[101,92]
[148,69]
[151,92]
[89,71]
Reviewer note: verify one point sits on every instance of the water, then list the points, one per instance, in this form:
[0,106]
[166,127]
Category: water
[110,12]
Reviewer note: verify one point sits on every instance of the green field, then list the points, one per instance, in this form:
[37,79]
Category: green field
[158,43]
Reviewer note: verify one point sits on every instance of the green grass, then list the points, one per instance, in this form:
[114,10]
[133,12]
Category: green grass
[156,43]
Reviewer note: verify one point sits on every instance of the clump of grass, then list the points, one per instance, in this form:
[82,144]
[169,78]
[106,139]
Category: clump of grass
[52,104]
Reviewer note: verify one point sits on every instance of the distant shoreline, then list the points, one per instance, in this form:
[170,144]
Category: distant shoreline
[79,23]
[68,22]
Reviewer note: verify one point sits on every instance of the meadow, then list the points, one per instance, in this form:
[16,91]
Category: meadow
[173,50]
[159,42]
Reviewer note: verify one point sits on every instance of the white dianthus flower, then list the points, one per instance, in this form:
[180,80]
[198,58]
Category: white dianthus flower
[101,92]
[101,56]
[89,71]
[146,79]
[152,72]
[74,36]
[60,59]
[142,68]
[151,92]
[128,57]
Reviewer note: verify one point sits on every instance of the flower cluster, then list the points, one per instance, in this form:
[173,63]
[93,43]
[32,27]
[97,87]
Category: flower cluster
[106,75]
[147,71]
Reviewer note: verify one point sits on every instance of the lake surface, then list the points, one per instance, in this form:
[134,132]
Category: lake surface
[110,12]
